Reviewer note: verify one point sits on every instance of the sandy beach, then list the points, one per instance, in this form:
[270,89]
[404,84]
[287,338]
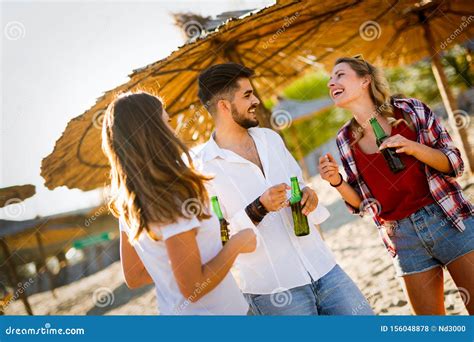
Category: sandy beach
[354,241]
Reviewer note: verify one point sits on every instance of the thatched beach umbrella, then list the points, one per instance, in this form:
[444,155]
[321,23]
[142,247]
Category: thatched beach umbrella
[35,240]
[16,194]
[280,43]
[407,31]
[9,196]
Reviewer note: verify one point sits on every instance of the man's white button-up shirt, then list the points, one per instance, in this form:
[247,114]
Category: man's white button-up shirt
[282,260]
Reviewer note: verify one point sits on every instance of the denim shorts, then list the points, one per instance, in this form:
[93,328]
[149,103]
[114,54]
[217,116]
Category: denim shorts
[427,239]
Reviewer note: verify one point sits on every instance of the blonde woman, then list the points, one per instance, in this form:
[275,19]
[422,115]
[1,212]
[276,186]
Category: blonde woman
[163,208]
[424,219]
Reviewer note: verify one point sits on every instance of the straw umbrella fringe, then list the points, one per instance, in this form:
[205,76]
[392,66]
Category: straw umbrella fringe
[280,42]
[16,194]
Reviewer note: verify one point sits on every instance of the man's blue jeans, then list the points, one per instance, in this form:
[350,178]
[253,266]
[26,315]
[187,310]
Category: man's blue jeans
[333,294]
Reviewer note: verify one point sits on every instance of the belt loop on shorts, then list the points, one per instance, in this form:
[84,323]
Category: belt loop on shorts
[430,209]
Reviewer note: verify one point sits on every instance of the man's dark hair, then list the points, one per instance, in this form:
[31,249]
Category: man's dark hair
[220,82]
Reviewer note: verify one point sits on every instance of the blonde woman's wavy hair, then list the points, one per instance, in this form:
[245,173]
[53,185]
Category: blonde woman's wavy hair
[151,172]
[379,91]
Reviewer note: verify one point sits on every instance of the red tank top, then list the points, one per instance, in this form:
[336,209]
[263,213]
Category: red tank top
[401,194]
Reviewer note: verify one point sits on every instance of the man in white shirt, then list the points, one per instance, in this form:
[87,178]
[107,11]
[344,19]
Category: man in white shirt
[286,275]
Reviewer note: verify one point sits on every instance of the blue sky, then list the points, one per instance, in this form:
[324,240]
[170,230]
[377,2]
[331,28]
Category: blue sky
[56,59]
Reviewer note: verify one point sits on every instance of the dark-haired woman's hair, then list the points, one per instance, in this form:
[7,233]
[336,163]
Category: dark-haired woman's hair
[153,179]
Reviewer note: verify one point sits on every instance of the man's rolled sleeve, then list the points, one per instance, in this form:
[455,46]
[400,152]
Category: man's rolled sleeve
[318,215]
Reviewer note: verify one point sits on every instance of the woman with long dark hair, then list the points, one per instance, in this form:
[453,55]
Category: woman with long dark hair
[163,208]
[423,216]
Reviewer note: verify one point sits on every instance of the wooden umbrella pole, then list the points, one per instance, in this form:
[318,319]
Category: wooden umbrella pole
[459,135]
[14,275]
[44,265]
[299,152]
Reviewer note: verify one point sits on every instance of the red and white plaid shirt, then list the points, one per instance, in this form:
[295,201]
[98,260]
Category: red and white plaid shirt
[443,187]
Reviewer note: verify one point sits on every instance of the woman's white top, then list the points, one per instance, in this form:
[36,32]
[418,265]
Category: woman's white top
[225,299]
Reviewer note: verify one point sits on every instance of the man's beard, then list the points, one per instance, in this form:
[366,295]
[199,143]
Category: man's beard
[242,119]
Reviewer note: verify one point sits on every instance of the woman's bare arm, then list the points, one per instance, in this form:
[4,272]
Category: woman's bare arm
[329,171]
[349,194]
[195,279]
[134,271]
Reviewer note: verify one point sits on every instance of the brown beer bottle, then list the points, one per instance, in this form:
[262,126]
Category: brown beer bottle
[391,157]
[222,221]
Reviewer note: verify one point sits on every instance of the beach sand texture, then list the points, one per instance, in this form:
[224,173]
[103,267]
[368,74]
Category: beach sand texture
[354,241]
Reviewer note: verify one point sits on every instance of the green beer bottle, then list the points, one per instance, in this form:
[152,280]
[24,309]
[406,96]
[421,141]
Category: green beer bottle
[300,221]
[222,222]
[391,157]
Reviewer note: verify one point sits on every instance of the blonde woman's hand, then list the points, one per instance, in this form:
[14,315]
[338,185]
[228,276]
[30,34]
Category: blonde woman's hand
[400,144]
[328,169]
